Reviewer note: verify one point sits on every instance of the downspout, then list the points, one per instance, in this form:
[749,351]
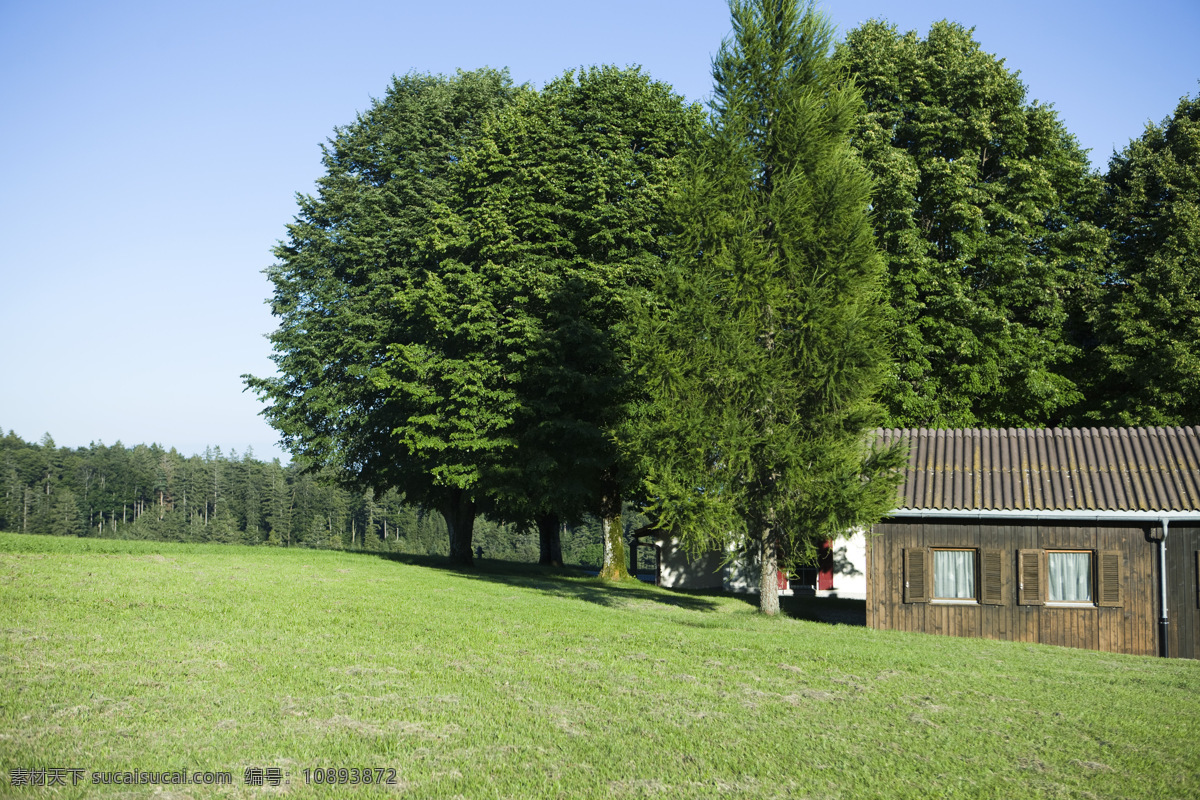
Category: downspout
[1163,645]
[1162,517]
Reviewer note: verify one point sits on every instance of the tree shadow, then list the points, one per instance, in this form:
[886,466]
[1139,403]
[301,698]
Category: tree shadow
[830,610]
[567,582]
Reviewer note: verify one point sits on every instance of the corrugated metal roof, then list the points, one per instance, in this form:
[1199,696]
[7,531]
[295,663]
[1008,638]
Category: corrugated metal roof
[1051,469]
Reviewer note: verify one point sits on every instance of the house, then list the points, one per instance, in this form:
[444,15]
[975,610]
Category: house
[1077,537]
[839,571]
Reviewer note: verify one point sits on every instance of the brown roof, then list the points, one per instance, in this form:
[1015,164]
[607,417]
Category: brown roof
[1096,469]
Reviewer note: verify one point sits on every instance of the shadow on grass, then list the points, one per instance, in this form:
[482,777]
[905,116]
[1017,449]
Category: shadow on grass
[558,581]
[833,610]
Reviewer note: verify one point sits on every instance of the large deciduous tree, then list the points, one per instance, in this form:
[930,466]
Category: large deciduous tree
[1149,324]
[981,211]
[562,208]
[454,304]
[766,342]
[359,291]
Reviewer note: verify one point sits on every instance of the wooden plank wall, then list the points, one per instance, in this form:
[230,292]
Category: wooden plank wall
[1183,592]
[1132,628]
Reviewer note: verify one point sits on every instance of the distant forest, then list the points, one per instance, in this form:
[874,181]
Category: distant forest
[148,492]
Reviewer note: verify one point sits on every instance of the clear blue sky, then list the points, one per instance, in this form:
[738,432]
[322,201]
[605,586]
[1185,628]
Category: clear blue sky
[152,152]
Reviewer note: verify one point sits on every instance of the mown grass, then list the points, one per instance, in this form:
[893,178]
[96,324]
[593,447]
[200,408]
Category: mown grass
[513,682]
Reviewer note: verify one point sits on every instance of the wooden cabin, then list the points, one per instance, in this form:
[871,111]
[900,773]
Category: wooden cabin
[1076,537]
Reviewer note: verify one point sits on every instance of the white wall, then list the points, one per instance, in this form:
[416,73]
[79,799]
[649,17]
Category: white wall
[678,571]
[741,574]
[849,568]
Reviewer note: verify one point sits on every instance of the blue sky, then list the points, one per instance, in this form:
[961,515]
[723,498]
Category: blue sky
[152,152]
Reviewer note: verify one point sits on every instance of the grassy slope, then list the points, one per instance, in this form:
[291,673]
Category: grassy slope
[511,682]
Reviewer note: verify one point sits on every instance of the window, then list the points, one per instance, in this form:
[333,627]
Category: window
[1068,576]
[962,574]
[954,574]
[1075,577]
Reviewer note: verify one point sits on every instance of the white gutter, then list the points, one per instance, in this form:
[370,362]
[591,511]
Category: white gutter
[1086,514]
[1164,518]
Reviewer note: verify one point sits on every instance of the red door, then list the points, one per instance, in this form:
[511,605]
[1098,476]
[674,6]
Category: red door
[825,566]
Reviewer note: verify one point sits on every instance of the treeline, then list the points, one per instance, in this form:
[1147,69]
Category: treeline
[149,492]
[1027,289]
[529,306]
[540,303]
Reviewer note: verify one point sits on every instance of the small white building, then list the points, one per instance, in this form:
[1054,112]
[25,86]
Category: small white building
[840,569]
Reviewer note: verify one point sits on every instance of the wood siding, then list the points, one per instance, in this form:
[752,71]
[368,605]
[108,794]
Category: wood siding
[1128,628]
[1183,591]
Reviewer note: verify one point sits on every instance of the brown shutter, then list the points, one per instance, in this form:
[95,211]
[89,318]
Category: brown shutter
[916,575]
[1198,579]
[1108,579]
[992,574]
[1029,577]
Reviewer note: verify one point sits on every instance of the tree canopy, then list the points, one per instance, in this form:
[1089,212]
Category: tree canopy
[765,343]
[981,211]
[454,303]
[563,202]
[457,301]
[357,287]
[1148,326]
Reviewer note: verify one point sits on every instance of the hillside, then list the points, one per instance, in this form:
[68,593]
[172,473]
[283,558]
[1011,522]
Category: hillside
[513,682]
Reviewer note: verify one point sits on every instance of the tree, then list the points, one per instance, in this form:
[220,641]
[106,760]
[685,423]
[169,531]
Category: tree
[766,341]
[380,377]
[1149,324]
[563,223]
[65,519]
[981,210]
[281,500]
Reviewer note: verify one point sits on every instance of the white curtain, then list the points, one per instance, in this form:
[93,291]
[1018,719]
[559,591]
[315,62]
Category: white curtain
[954,574]
[1069,576]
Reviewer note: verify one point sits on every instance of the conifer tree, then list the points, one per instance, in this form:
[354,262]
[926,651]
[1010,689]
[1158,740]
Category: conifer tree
[766,343]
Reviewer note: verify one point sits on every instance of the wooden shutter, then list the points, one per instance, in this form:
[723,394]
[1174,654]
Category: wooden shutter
[992,577]
[1198,579]
[1029,577]
[916,575]
[1108,578]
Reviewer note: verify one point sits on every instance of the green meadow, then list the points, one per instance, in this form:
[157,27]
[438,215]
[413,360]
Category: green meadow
[512,681]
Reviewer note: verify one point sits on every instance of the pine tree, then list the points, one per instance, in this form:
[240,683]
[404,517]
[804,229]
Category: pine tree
[767,341]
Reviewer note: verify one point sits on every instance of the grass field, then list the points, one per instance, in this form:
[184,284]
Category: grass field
[513,682]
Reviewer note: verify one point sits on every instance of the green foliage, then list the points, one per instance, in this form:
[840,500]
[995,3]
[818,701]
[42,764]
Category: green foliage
[453,305]
[146,492]
[981,212]
[388,370]
[766,341]
[1149,321]
[561,223]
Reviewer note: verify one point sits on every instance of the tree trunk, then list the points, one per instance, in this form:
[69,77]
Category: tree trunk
[458,509]
[768,583]
[614,568]
[549,540]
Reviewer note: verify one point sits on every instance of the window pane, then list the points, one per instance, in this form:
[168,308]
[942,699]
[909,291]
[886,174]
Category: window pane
[1069,577]
[954,574]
